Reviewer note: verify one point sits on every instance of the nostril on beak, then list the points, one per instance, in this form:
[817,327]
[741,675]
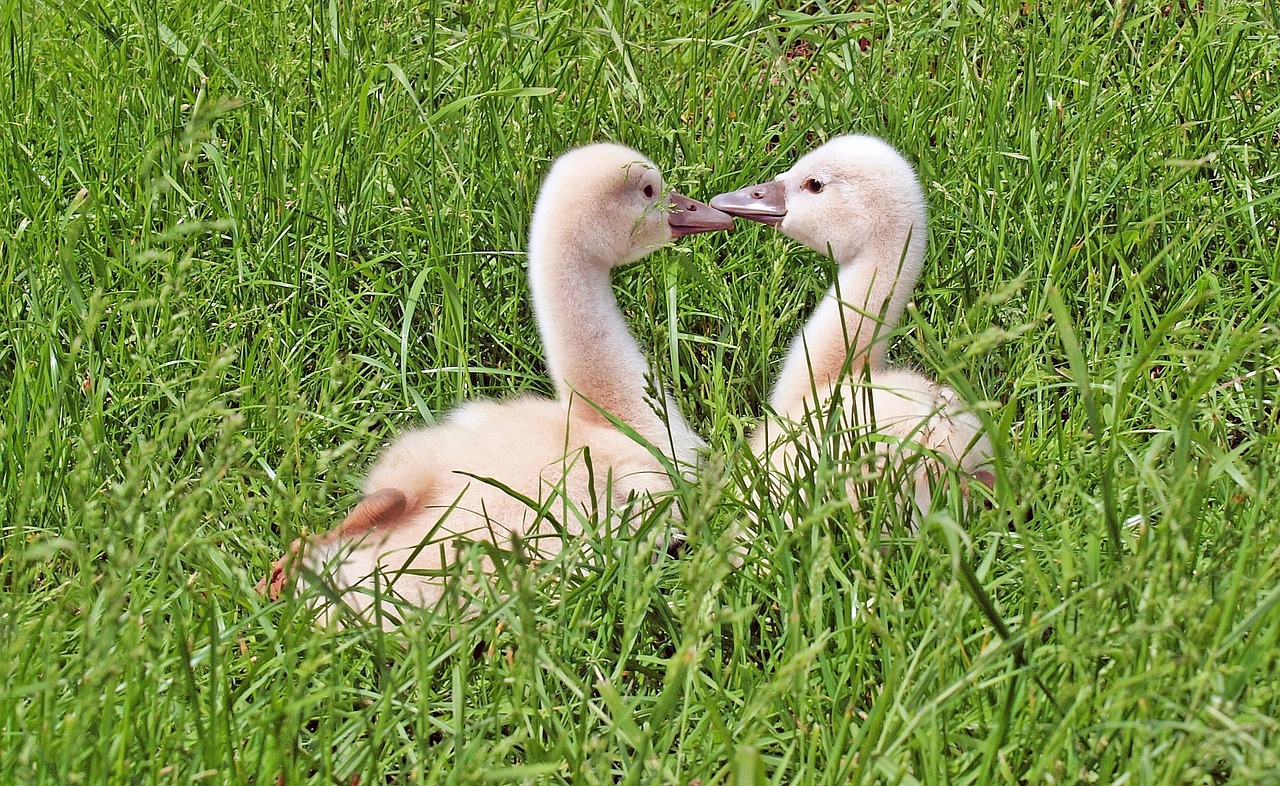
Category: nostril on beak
[757,195]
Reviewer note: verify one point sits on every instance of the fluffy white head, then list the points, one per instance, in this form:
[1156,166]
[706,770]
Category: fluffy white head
[852,193]
[610,204]
[852,198]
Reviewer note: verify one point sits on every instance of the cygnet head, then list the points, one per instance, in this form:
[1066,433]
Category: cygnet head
[853,197]
[611,203]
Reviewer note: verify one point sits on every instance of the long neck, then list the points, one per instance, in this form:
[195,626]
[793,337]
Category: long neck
[590,353]
[850,328]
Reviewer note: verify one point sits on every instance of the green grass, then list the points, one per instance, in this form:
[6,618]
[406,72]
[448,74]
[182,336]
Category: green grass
[245,244]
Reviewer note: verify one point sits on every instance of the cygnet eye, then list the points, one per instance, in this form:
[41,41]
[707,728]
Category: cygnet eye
[649,191]
[813,186]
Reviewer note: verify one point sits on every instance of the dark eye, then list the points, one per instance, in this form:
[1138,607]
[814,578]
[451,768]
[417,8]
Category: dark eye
[813,186]
[648,192]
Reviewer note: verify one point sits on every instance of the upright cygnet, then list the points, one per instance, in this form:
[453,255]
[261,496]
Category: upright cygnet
[532,467]
[857,199]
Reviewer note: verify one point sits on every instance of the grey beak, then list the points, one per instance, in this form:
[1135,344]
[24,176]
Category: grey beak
[691,217]
[763,202]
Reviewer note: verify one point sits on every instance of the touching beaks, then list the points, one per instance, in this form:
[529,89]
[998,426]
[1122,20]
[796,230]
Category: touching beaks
[691,217]
[763,202]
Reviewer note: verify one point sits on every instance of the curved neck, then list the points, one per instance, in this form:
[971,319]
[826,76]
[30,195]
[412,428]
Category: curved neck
[850,328]
[590,352]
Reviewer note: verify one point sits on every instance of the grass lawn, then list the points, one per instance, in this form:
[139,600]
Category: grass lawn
[244,244]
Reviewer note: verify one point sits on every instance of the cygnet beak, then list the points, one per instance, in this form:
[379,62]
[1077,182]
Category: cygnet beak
[763,202]
[691,217]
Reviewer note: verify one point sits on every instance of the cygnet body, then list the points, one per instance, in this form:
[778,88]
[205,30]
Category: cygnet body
[857,199]
[532,467]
